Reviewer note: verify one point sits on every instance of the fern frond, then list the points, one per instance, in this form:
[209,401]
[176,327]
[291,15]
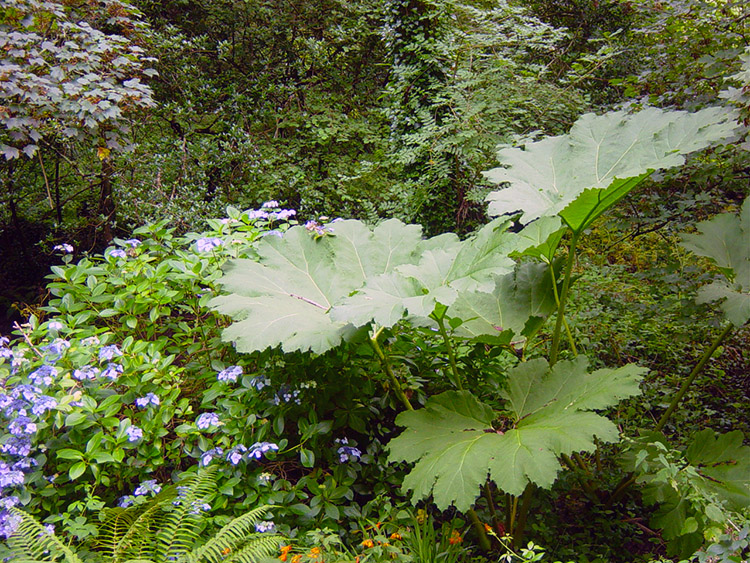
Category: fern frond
[137,541]
[179,527]
[115,525]
[32,542]
[259,547]
[230,537]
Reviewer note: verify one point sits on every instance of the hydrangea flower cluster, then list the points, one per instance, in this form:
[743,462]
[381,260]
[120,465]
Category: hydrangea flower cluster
[318,229]
[207,420]
[209,455]
[230,374]
[259,449]
[207,244]
[236,454]
[286,394]
[116,253]
[133,433]
[64,248]
[149,487]
[265,526]
[347,453]
[259,382]
[149,399]
[21,407]
[270,210]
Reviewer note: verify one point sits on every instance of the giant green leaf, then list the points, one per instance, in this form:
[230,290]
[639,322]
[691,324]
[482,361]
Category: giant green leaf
[583,173]
[457,442]
[283,299]
[437,277]
[725,239]
[504,313]
[723,462]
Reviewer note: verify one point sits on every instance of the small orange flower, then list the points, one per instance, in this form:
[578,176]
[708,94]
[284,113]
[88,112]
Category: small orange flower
[285,549]
[368,543]
[488,528]
[396,536]
[314,552]
[297,558]
[282,557]
[455,538]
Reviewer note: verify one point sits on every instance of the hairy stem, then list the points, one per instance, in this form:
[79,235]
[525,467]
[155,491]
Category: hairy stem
[565,321]
[523,514]
[693,374]
[451,354]
[484,541]
[388,370]
[555,349]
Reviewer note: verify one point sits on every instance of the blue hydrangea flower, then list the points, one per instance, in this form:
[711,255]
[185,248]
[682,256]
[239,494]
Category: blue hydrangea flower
[198,507]
[44,375]
[113,371]
[18,446]
[56,349]
[207,456]
[125,501]
[55,325]
[116,253]
[258,449]
[133,242]
[86,372]
[9,477]
[21,425]
[206,420]
[43,404]
[134,433]
[146,487]
[260,382]
[230,374]
[257,214]
[265,526]
[285,214]
[64,248]
[149,399]
[347,453]
[270,204]
[206,244]
[236,454]
[109,352]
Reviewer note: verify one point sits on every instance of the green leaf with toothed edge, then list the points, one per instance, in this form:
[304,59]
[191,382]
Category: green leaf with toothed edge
[580,175]
[725,239]
[283,299]
[456,442]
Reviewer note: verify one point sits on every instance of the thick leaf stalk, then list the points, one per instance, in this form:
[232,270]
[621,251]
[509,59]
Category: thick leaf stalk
[389,370]
[555,348]
[693,374]
[451,353]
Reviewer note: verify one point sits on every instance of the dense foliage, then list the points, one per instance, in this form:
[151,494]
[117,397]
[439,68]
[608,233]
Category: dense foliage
[274,384]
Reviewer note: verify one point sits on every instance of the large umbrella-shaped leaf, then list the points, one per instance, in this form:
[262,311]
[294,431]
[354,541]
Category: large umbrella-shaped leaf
[457,442]
[725,239]
[437,277]
[283,299]
[580,175]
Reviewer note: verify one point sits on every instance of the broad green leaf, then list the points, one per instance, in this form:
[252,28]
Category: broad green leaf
[541,238]
[498,316]
[725,239]
[438,277]
[456,441]
[283,299]
[581,174]
[724,463]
